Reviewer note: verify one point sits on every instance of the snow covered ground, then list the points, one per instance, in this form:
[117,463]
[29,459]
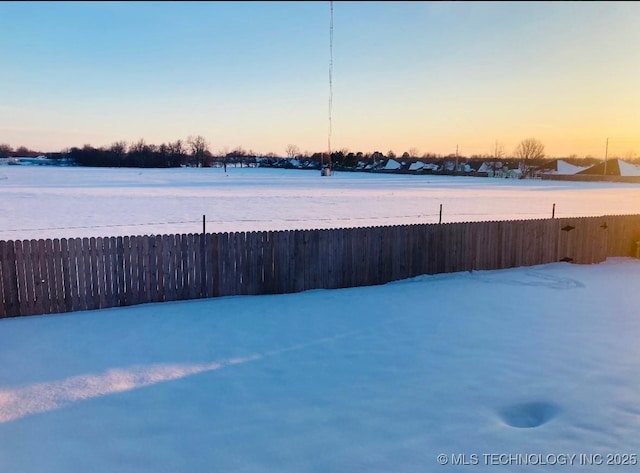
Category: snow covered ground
[55,202]
[525,369]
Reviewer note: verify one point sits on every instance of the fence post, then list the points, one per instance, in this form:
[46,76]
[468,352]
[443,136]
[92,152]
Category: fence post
[553,211]
[204,228]
[440,221]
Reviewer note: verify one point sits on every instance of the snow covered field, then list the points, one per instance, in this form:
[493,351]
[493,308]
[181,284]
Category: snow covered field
[55,202]
[488,370]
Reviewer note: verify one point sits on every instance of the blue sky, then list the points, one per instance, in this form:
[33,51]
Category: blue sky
[431,76]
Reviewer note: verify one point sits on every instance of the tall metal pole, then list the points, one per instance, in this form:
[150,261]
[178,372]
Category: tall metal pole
[322,171]
[606,154]
[456,158]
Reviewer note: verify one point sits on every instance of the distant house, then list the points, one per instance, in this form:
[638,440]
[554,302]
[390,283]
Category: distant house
[612,167]
[29,160]
[392,165]
[560,167]
[487,167]
[417,166]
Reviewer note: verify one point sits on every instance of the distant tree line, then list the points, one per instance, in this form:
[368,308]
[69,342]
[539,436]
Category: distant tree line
[195,152]
[7,151]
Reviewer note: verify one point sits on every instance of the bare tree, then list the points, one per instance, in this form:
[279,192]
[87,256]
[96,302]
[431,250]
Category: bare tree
[139,146]
[414,152]
[199,149]
[529,148]
[177,153]
[119,150]
[292,151]
[497,150]
[5,150]
[24,151]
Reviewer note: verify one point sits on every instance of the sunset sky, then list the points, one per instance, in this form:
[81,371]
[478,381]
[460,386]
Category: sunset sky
[431,76]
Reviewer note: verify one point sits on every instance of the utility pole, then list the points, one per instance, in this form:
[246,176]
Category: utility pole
[327,171]
[606,155]
[456,158]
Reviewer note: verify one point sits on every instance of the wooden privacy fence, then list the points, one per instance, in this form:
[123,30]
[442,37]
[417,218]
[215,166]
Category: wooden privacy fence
[64,275]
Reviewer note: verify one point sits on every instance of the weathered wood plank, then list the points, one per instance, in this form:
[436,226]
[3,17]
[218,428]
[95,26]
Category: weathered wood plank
[220,244]
[69,274]
[101,272]
[133,289]
[418,249]
[92,285]
[116,269]
[31,263]
[337,252]
[51,288]
[211,262]
[157,274]
[492,248]
[311,259]
[193,287]
[372,256]
[244,266]
[187,267]
[108,256]
[3,267]
[84,256]
[193,282]
[129,297]
[21,277]
[38,277]
[210,265]
[9,288]
[137,271]
[232,274]
[504,248]
[119,273]
[457,261]
[329,241]
[137,254]
[421,237]
[163,267]
[169,267]
[154,277]
[144,269]
[27,278]
[359,249]
[325,262]
[289,277]
[201,264]
[267,276]
[194,266]
[181,270]
[299,256]
[80,303]
[284,264]
[10,279]
[177,267]
[258,246]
